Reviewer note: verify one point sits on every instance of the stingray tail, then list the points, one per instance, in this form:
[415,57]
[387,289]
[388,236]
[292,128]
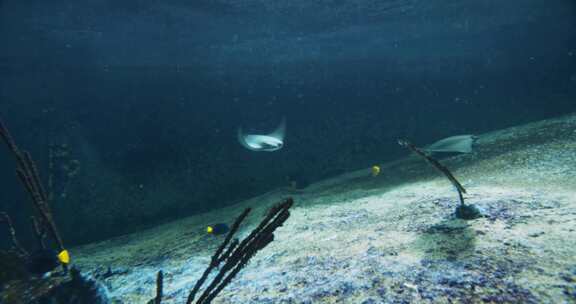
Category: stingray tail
[240,137]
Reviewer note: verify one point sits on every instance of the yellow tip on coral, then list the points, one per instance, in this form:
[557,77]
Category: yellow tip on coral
[64,257]
[209,229]
[375,170]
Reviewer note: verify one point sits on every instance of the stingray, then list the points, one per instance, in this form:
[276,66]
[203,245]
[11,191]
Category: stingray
[458,144]
[267,143]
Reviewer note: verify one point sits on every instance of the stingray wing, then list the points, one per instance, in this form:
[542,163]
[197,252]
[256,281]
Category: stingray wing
[459,143]
[242,140]
[280,131]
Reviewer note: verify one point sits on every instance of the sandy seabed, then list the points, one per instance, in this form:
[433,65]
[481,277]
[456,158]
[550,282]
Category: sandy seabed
[386,239]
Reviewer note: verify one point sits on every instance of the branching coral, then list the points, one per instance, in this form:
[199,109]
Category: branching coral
[463,211]
[159,289]
[28,174]
[241,254]
[4,218]
[20,281]
[234,254]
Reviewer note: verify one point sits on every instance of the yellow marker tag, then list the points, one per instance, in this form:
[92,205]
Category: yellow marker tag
[64,257]
[375,170]
[209,229]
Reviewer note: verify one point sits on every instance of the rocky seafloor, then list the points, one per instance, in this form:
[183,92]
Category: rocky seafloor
[386,239]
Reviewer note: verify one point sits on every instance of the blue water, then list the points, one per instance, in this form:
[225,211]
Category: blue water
[142,99]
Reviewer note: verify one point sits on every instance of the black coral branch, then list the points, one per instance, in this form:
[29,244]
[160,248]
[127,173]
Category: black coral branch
[4,218]
[27,172]
[463,211]
[239,253]
[159,289]
[436,164]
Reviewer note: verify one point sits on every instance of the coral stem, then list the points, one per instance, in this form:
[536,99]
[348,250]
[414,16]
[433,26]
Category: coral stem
[436,164]
[6,219]
[238,253]
[30,178]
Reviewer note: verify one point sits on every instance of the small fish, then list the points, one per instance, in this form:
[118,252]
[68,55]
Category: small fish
[64,257]
[458,144]
[45,260]
[267,143]
[217,229]
[375,170]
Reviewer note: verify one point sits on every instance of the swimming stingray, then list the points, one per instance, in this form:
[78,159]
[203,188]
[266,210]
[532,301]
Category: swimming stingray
[268,143]
[458,144]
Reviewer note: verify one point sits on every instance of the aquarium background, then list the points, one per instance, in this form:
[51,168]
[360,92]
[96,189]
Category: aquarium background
[131,108]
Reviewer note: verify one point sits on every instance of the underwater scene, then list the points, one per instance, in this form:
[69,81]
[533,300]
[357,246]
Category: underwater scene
[287,151]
